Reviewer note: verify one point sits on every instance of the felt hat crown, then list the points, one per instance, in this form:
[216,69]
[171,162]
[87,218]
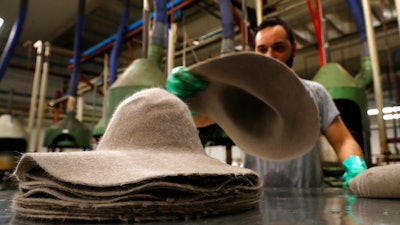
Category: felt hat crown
[149,160]
[259,102]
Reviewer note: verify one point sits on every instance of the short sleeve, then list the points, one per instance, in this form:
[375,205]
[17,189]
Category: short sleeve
[325,104]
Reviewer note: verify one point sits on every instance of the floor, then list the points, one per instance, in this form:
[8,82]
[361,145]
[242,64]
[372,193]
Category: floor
[279,206]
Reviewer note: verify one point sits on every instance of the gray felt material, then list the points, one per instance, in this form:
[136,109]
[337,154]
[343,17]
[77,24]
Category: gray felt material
[378,182]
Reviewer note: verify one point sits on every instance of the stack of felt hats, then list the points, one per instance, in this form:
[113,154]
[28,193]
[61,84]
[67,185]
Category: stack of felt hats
[149,165]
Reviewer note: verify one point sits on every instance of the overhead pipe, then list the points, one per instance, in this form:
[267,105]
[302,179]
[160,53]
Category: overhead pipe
[132,30]
[376,76]
[316,18]
[120,37]
[73,85]
[364,78]
[358,17]
[242,22]
[157,39]
[70,132]
[228,26]
[13,38]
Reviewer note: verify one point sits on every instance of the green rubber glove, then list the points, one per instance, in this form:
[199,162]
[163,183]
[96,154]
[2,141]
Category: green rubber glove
[182,83]
[353,166]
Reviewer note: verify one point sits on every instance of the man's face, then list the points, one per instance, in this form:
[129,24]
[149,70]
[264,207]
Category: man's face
[273,42]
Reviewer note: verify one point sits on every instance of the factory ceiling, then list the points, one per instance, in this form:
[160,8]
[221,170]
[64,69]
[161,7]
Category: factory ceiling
[54,21]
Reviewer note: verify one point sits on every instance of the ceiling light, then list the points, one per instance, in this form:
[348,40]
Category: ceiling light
[195,42]
[1,21]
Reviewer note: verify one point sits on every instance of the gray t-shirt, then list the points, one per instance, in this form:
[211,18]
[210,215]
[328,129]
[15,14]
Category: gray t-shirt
[305,171]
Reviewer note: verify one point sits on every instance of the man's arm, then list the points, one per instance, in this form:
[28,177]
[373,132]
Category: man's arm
[341,140]
[347,149]
[202,121]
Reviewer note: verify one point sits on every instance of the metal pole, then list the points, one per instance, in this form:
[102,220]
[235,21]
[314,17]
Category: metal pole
[145,30]
[397,3]
[376,75]
[171,47]
[43,88]
[259,11]
[38,68]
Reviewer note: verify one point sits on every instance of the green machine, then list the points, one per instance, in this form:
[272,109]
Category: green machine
[140,74]
[68,133]
[350,97]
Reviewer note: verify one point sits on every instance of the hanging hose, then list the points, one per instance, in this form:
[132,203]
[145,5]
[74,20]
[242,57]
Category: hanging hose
[13,38]
[120,37]
[228,26]
[358,17]
[316,20]
[364,78]
[73,85]
[157,39]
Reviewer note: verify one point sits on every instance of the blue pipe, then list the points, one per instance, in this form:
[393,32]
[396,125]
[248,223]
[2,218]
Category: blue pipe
[358,17]
[160,21]
[155,51]
[131,27]
[117,45]
[228,26]
[13,38]
[73,85]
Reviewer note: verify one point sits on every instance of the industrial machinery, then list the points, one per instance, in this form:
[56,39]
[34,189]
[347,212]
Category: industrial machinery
[13,141]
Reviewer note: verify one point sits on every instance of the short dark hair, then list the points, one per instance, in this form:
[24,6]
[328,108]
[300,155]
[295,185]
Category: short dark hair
[273,21]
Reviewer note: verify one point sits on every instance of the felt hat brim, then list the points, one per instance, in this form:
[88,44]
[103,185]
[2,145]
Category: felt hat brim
[111,168]
[259,102]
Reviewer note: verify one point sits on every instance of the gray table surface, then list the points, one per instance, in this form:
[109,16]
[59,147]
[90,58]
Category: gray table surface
[278,206]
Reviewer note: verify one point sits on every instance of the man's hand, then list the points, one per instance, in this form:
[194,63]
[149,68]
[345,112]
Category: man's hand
[353,165]
[184,84]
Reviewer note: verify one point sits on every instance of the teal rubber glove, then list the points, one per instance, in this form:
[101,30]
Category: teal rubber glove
[183,84]
[353,166]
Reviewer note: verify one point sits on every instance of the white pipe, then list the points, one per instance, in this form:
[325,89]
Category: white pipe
[184,46]
[43,88]
[397,3]
[38,45]
[105,83]
[146,5]
[79,110]
[171,47]
[146,28]
[375,74]
[259,11]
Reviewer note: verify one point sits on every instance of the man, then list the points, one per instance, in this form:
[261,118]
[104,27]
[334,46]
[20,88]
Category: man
[274,38]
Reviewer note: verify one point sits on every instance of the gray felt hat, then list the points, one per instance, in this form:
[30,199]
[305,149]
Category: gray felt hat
[149,165]
[378,182]
[260,103]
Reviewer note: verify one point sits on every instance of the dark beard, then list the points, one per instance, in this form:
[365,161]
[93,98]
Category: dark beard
[289,62]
